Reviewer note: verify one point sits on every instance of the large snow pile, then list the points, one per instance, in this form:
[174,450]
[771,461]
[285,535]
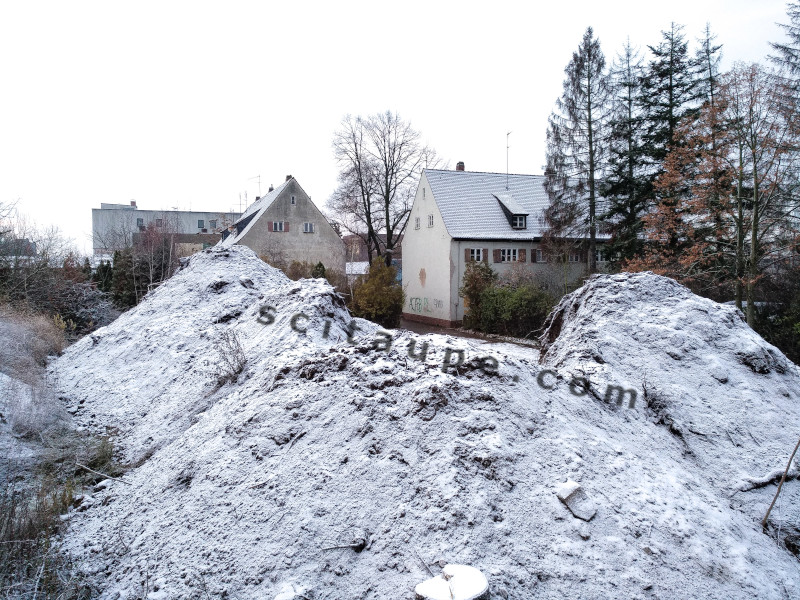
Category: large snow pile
[332,469]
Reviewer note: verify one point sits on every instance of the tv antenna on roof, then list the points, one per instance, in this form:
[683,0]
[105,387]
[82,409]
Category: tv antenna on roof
[508,134]
[259,183]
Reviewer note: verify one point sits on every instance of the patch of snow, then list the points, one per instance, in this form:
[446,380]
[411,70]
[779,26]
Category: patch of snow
[457,582]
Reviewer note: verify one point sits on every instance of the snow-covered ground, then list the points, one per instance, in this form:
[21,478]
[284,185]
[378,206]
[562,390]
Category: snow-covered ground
[332,469]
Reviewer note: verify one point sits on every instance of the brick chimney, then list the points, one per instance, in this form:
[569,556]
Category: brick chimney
[270,187]
[133,203]
[288,177]
[460,165]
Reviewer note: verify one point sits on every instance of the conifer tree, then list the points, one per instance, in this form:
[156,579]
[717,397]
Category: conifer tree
[707,59]
[123,285]
[625,186]
[668,95]
[576,142]
[787,55]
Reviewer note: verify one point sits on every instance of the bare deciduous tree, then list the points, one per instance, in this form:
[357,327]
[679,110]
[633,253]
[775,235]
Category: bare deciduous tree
[380,159]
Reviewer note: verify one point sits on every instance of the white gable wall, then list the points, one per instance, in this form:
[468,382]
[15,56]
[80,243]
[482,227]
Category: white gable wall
[427,273]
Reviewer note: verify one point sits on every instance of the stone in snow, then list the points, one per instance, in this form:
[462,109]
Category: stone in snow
[457,582]
[575,499]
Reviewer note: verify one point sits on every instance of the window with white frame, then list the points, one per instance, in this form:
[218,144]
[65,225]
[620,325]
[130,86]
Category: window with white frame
[159,222]
[539,255]
[416,223]
[140,222]
[430,220]
[476,254]
[308,228]
[508,255]
[574,257]
[519,222]
[200,223]
[599,256]
[277,226]
[212,223]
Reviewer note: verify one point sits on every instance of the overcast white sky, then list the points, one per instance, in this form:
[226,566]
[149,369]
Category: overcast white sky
[186,103]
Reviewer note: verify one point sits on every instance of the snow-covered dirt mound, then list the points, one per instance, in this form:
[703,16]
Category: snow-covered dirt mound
[731,400]
[345,469]
[152,372]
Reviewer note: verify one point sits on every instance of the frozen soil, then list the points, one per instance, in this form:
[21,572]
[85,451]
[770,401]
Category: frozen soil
[337,469]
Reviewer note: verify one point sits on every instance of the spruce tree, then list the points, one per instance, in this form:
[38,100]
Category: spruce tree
[626,185]
[668,95]
[123,286]
[576,140]
[787,55]
[103,275]
[707,59]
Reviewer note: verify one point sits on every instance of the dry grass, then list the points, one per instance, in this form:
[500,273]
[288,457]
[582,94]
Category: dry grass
[231,360]
[28,339]
[36,491]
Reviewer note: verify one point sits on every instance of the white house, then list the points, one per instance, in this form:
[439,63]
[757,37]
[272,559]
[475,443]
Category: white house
[461,216]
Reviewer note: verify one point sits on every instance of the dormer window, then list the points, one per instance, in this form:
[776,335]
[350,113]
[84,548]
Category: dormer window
[516,214]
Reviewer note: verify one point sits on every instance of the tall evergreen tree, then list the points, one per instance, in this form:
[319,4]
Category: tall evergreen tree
[668,94]
[707,59]
[625,186]
[576,137]
[787,55]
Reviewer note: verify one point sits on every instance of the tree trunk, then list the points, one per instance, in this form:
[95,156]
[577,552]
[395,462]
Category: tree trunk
[753,266]
[739,233]
[592,166]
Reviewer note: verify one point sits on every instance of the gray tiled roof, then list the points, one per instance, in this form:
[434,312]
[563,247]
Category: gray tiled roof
[249,216]
[469,206]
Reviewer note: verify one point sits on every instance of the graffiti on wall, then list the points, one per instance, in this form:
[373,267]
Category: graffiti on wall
[424,305]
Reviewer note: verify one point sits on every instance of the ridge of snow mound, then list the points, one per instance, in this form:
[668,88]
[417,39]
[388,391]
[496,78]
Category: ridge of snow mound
[344,468]
[172,339]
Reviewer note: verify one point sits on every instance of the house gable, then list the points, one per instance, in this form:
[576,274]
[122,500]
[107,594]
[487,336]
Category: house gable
[428,267]
[286,226]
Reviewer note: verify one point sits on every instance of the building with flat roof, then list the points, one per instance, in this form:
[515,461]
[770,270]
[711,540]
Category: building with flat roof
[114,225]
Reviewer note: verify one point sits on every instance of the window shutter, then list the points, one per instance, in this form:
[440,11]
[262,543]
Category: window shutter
[466,254]
[286,225]
[269,224]
[533,255]
[521,255]
[496,256]
[486,255]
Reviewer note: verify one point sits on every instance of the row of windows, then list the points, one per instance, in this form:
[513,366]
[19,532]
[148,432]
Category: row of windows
[430,222]
[279,226]
[517,222]
[212,223]
[513,255]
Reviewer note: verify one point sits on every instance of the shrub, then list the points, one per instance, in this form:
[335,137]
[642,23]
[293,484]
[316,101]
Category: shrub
[318,270]
[478,277]
[379,297]
[514,311]
[299,270]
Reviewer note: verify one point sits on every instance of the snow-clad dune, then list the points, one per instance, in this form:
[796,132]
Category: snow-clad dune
[335,467]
